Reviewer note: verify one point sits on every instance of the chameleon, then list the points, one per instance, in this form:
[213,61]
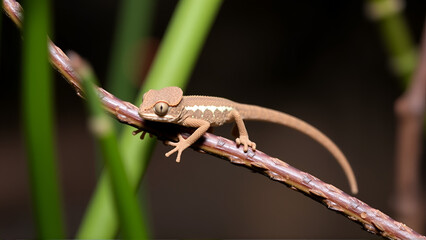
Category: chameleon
[204,112]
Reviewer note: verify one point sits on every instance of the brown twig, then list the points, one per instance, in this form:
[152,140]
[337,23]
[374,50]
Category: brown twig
[371,219]
[410,110]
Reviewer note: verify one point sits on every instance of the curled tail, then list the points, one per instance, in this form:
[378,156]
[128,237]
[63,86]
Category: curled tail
[251,112]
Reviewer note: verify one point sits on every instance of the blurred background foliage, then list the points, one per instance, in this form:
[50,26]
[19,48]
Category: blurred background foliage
[324,62]
[38,122]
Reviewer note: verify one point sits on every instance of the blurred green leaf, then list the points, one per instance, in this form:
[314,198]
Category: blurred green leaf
[37,100]
[101,125]
[129,49]
[396,37]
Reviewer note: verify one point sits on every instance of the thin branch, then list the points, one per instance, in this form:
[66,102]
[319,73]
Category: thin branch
[410,110]
[371,219]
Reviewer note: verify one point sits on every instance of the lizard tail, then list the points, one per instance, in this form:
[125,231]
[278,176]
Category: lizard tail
[251,112]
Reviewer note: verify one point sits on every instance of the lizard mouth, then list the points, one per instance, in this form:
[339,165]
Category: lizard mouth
[156,118]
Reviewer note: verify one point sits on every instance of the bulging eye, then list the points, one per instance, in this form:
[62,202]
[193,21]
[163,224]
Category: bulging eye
[161,108]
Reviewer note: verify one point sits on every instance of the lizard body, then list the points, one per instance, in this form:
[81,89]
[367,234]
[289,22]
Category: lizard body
[203,112]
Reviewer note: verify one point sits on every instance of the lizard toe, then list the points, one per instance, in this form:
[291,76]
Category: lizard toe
[245,148]
[170,143]
[176,149]
[245,141]
[178,156]
[171,152]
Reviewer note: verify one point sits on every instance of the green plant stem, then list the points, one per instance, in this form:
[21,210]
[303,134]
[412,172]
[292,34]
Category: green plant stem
[101,124]
[37,114]
[128,51]
[398,42]
[173,64]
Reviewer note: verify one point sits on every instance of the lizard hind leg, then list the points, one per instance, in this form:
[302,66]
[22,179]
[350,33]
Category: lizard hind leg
[241,131]
[242,139]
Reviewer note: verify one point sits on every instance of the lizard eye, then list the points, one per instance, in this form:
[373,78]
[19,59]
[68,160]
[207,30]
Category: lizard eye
[161,108]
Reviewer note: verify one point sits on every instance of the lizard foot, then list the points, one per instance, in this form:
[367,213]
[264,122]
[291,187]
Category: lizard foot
[245,141]
[181,145]
[142,135]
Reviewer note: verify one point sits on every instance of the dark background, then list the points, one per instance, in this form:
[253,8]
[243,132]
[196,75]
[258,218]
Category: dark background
[322,61]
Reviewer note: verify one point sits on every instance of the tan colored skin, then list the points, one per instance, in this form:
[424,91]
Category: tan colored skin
[202,112]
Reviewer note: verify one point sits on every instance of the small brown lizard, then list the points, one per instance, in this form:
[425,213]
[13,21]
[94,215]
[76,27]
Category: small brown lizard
[202,112]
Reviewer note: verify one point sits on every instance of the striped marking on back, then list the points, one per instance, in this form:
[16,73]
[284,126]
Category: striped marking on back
[203,108]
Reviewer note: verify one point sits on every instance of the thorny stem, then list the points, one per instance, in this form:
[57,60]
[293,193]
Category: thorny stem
[372,220]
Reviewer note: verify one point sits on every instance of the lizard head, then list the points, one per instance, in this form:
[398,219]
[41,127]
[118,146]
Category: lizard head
[161,105]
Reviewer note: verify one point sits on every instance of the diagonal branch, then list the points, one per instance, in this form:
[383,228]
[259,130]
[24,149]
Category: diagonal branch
[371,219]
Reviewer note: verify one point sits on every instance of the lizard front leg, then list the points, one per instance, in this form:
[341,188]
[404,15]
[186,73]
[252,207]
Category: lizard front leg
[243,138]
[202,127]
